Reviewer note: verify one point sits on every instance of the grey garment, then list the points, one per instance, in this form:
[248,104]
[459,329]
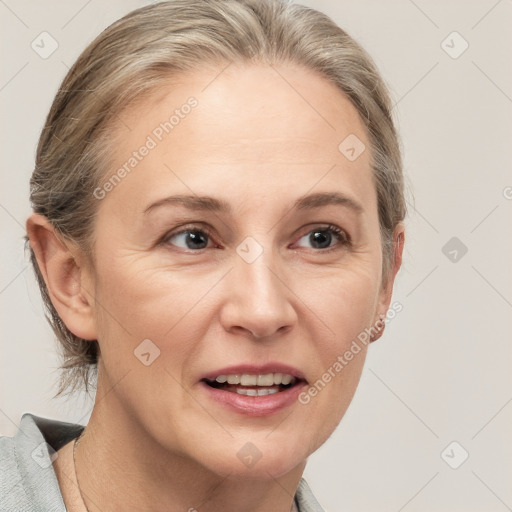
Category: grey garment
[29,483]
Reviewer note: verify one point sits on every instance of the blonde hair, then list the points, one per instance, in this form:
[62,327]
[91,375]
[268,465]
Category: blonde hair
[137,54]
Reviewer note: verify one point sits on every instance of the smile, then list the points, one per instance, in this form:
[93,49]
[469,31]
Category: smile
[253,389]
[253,385]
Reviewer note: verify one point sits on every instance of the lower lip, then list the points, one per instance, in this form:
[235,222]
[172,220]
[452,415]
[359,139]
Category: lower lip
[255,405]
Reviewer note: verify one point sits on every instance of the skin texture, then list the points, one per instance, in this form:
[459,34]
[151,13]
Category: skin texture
[255,142]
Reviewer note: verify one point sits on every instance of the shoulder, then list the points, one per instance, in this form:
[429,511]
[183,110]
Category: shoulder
[305,499]
[28,481]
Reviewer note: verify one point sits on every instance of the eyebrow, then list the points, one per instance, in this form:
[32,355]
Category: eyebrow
[208,203]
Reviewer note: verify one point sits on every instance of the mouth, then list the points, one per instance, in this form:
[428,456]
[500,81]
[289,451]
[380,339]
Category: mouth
[254,384]
[252,390]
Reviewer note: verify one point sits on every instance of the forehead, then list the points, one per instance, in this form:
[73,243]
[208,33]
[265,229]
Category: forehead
[255,129]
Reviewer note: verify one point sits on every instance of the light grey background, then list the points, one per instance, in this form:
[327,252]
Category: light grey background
[441,373]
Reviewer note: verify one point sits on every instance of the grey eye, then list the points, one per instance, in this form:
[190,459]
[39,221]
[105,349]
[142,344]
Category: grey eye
[190,238]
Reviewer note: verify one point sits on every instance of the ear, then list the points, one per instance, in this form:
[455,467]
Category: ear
[387,287]
[66,280]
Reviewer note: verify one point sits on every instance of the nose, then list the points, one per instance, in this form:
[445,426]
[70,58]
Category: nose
[259,300]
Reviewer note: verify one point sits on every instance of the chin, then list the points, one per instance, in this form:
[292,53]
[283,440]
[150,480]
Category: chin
[258,458]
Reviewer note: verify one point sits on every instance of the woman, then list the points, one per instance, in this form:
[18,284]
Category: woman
[218,206]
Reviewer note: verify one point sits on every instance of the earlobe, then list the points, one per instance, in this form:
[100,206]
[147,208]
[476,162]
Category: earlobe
[64,277]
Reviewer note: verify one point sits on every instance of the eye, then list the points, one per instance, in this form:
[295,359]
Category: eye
[195,239]
[321,238]
[191,238]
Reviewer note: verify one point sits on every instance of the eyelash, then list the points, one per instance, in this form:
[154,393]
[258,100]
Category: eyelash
[342,236]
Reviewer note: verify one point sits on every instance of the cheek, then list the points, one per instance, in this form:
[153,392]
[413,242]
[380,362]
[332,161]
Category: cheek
[156,312]
[346,306]
[344,300]
[139,301]
[339,385]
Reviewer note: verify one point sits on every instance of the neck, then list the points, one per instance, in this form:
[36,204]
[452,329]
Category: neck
[120,467]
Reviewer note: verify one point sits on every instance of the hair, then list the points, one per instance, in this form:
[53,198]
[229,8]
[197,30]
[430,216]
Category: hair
[142,51]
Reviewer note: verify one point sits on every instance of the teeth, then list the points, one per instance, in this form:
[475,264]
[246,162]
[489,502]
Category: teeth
[286,379]
[248,380]
[256,392]
[278,378]
[268,379]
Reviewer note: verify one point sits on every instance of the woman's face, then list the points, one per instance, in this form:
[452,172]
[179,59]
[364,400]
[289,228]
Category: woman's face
[244,282]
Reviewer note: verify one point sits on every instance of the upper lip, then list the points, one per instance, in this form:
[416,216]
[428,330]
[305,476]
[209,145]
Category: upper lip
[255,369]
